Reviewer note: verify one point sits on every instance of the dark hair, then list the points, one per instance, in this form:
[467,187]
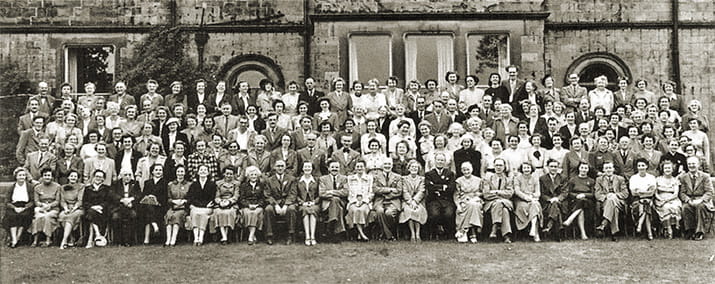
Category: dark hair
[543,80]
[512,66]
[446,76]
[476,80]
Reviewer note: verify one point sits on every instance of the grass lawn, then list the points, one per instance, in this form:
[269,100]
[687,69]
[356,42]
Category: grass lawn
[601,261]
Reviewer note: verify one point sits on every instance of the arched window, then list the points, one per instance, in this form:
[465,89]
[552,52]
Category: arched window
[252,69]
[592,65]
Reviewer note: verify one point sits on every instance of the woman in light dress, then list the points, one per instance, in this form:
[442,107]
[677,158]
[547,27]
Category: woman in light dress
[667,204]
[414,212]
[468,198]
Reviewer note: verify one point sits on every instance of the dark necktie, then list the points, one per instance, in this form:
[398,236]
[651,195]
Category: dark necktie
[335,183]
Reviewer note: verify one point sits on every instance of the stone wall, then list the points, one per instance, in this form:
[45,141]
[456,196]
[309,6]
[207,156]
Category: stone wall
[286,49]
[238,11]
[608,10]
[84,12]
[419,6]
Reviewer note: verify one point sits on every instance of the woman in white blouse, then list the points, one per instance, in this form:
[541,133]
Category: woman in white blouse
[642,186]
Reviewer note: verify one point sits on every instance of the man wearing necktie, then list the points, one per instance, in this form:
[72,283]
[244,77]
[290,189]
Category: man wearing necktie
[696,193]
[498,200]
[386,203]
[281,199]
[333,195]
[611,193]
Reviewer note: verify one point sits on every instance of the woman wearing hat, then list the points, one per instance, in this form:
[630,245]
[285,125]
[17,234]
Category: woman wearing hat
[172,134]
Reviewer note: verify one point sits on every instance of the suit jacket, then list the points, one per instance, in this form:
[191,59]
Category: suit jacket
[625,165]
[580,117]
[47,103]
[326,190]
[136,155]
[519,89]
[310,193]
[282,192]
[291,160]
[273,138]
[193,100]
[312,100]
[571,96]
[61,169]
[700,187]
[28,142]
[213,107]
[340,105]
[415,116]
[34,164]
[500,131]
[540,127]
[434,184]
[440,127]
[25,122]
[317,157]
[622,98]
[179,137]
[346,165]
[617,185]
[117,189]
[126,100]
[263,161]
[566,134]
[258,125]
[653,160]
[552,188]
[252,195]
[385,183]
[299,138]
[571,161]
[240,105]
[223,124]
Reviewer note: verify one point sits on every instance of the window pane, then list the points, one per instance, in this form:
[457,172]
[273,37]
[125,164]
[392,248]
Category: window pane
[428,57]
[370,57]
[487,53]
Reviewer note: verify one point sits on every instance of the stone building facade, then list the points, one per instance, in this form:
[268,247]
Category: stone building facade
[286,40]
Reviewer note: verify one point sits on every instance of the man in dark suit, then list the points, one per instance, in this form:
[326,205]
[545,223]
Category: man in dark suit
[127,156]
[114,142]
[696,193]
[486,110]
[514,85]
[127,195]
[30,139]
[614,120]
[273,133]
[311,95]
[569,130]
[551,130]
[45,100]
[553,195]
[453,112]
[383,122]
[25,121]
[225,122]
[572,94]
[584,114]
[281,198]
[440,186]
[199,97]
[439,119]
[310,153]
[243,98]
[420,112]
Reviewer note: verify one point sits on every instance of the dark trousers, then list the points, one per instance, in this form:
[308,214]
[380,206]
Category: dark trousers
[441,213]
[694,217]
[270,216]
[387,219]
[124,221]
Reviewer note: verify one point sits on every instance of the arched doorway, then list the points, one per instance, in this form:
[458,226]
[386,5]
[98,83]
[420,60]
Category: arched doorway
[592,65]
[252,68]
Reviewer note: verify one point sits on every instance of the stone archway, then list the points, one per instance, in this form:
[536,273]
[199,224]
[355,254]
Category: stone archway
[252,68]
[592,65]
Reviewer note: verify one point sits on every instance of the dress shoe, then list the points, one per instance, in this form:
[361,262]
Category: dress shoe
[250,243]
[269,242]
[507,239]
[307,242]
[613,238]
[313,242]
[699,236]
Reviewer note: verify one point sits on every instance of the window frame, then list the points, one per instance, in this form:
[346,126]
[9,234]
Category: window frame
[501,69]
[66,68]
[452,35]
[391,67]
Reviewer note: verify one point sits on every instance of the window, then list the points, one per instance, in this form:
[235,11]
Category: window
[252,68]
[96,63]
[592,65]
[370,57]
[487,53]
[428,57]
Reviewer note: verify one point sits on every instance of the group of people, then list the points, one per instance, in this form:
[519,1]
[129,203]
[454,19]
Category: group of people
[460,160]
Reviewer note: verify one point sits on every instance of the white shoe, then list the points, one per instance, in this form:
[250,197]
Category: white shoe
[473,240]
[461,237]
[313,242]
